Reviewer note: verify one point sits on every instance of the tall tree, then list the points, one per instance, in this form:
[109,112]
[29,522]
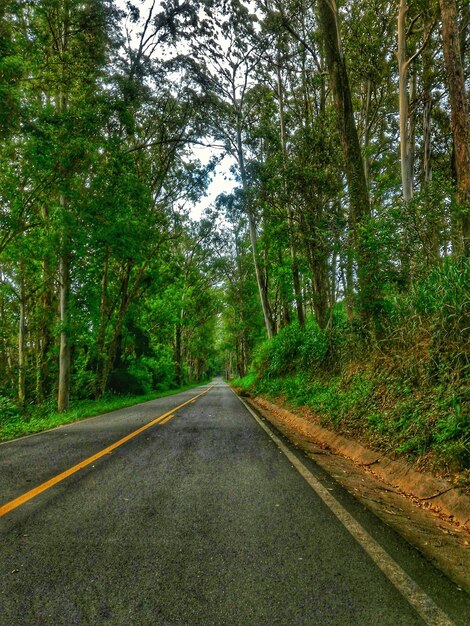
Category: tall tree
[460,119]
[357,184]
[228,75]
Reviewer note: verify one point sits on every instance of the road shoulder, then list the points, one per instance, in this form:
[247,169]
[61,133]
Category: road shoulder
[436,535]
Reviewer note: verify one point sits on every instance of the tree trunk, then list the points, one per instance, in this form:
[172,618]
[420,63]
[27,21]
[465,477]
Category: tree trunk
[366,136]
[46,339]
[3,350]
[63,395]
[320,293]
[357,186]
[260,279]
[63,392]
[113,347]
[178,355]
[102,327]
[332,299]
[349,282]
[47,315]
[406,156]
[427,165]
[297,287]
[284,317]
[427,108]
[21,340]
[460,120]
[244,357]
[430,218]
[464,34]
[290,217]
[318,260]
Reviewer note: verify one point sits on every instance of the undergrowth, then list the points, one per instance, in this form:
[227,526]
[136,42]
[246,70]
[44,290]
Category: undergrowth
[407,393]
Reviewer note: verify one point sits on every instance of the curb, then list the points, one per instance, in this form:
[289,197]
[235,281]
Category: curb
[433,493]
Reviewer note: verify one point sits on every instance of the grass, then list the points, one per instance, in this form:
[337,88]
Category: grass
[244,383]
[428,426]
[404,391]
[14,424]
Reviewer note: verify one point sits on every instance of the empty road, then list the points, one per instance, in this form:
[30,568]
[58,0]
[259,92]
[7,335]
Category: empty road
[199,519]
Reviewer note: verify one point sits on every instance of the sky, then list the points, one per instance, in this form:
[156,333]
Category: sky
[222,181]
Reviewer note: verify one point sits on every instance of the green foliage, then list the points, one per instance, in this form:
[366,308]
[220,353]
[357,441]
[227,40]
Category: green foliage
[83,378]
[95,172]
[409,394]
[98,167]
[135,379]
[244,383]
[293,348]
[163,368]
[145,374]
[278,356]
[9,411]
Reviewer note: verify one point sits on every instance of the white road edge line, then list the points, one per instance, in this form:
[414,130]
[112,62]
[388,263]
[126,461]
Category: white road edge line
[411,591]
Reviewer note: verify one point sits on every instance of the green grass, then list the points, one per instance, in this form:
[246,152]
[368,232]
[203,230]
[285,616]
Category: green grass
[426,425]
[243,383]
[15,424]
[404,392]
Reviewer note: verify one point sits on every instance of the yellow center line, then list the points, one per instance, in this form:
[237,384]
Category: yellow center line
[13,504]
[167,419]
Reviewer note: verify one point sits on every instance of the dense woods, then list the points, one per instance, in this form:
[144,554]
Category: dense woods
[335,274]
[103,276]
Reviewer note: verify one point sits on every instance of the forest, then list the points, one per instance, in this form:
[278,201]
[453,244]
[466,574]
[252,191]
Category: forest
[335,275]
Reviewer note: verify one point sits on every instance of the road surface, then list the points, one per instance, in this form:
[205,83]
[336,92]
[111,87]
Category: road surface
[199,519]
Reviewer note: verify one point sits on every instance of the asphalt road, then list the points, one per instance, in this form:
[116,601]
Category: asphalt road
[201,519]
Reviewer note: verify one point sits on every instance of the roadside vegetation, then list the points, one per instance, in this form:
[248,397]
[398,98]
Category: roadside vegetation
[106,292]
[404,393]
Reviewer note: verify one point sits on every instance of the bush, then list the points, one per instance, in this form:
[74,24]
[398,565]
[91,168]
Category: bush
[133,379]
[142,375]
[83,377]
[408,392]
[292,348]
[163,368]
[9,410]
[279,356]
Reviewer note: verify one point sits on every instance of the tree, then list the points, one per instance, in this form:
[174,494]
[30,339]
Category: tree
[357,185]
[460,119]
[227,76]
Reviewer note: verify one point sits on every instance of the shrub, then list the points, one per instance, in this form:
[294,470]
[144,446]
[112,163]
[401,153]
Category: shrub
[134,378]
[406,392]
[163,368]
[9,410]
[279,356]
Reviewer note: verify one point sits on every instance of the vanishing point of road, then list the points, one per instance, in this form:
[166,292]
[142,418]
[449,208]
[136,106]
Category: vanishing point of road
[205,516]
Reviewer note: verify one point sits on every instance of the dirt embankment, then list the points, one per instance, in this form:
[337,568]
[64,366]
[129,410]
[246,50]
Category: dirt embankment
[429,512]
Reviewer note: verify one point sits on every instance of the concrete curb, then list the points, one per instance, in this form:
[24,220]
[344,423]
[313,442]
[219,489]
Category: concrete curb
[435,493]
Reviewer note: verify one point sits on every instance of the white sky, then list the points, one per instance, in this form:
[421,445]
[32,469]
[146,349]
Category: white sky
[222,180]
